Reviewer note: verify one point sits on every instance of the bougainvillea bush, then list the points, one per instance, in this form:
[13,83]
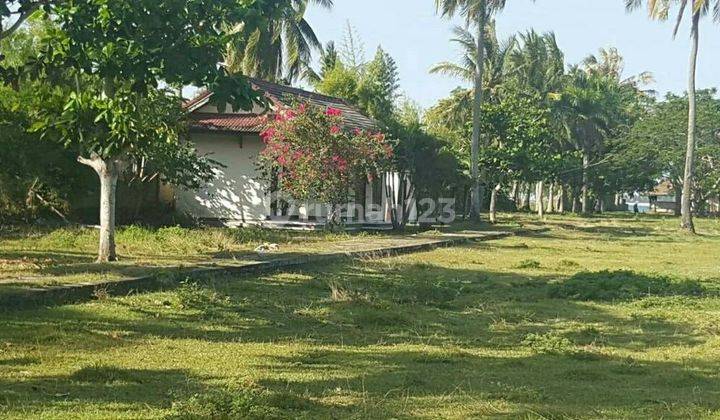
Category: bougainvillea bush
[309,155]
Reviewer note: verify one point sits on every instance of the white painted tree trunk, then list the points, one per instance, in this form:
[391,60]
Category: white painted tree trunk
[493,203]
[585,181]
[108,170]
[551,199]
[540,198]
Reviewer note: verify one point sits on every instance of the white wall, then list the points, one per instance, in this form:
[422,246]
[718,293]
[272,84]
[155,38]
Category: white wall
[235,193]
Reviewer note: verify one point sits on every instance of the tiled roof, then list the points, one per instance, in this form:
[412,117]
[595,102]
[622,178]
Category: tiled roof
[244,123]
[662,189]
[277,94]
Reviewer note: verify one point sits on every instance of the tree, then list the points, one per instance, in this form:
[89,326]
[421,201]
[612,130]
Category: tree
[280,51]
[496,56]
[309,156]
[378,87]
[38,178]
[655,144]
[477,13]
[14,13]
[519,143]
[660,9]
[115,54]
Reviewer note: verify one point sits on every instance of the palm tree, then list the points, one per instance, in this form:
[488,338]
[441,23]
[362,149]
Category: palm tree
[476,13]
[590,106]
[660,9]
[282,50]
[537,64]
[611,63]
[496,55]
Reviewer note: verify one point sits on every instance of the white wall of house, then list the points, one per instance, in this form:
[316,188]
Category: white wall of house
[236,193]
[237,196]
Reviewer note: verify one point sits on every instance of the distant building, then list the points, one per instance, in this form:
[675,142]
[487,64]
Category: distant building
[662,199]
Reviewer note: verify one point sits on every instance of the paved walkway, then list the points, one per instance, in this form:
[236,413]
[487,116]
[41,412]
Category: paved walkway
[78,292]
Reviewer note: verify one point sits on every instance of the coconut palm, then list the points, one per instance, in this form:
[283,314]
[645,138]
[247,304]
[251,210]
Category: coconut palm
[280,51]
[476,13]
[660,9]
[496,55]
[537,64]
[611,63]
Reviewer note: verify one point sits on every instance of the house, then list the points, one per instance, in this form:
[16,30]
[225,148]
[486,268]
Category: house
[238,196]
[662,199]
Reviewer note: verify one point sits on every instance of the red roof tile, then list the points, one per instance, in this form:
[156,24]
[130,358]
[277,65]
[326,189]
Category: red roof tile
[278,95]
[248,123]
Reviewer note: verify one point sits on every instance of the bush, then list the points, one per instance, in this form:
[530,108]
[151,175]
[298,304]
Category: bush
[529,264]
[221,404]
[622,285]
[549,343]
[191,295]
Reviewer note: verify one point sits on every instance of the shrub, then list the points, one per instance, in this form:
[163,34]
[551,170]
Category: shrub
[529,264]
[550,343]
[191,295]
[622,285]
[221,404]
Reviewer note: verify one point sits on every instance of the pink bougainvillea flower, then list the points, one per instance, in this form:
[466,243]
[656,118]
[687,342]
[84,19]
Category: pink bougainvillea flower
[333,112]
[302,108]
[281,160]
[268,134]
[334,130]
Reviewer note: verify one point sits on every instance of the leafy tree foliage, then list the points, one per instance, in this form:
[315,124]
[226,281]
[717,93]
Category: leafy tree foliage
[113,56]
[656,142]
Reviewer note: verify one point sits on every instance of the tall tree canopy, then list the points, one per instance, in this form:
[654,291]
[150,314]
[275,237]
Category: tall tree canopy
[281,50]
[108,59]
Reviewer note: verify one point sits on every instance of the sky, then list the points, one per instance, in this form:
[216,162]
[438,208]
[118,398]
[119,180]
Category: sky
[417,38]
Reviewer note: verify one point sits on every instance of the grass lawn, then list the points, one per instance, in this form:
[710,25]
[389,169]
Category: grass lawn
[603,317]
[46,257]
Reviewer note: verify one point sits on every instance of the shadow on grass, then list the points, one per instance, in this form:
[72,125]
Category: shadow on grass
[384,331]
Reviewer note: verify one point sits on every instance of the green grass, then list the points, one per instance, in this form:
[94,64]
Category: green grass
[594,318]
[45,257]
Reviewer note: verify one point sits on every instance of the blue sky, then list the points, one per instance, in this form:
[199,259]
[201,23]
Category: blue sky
[411,32]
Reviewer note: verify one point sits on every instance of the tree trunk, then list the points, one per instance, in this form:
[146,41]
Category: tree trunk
[678,203]
[585,179]
[477,192]
[687,218]
[516,194]
[551,199]
[561,199]
[108,171]
[540,206]
[526,198]
[575,202]
[493,203]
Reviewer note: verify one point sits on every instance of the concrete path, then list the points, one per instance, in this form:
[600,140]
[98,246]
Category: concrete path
[79,292]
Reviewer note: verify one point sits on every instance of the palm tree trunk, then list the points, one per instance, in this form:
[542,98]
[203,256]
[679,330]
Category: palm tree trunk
[477,192]
[687,218]
[585,179]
